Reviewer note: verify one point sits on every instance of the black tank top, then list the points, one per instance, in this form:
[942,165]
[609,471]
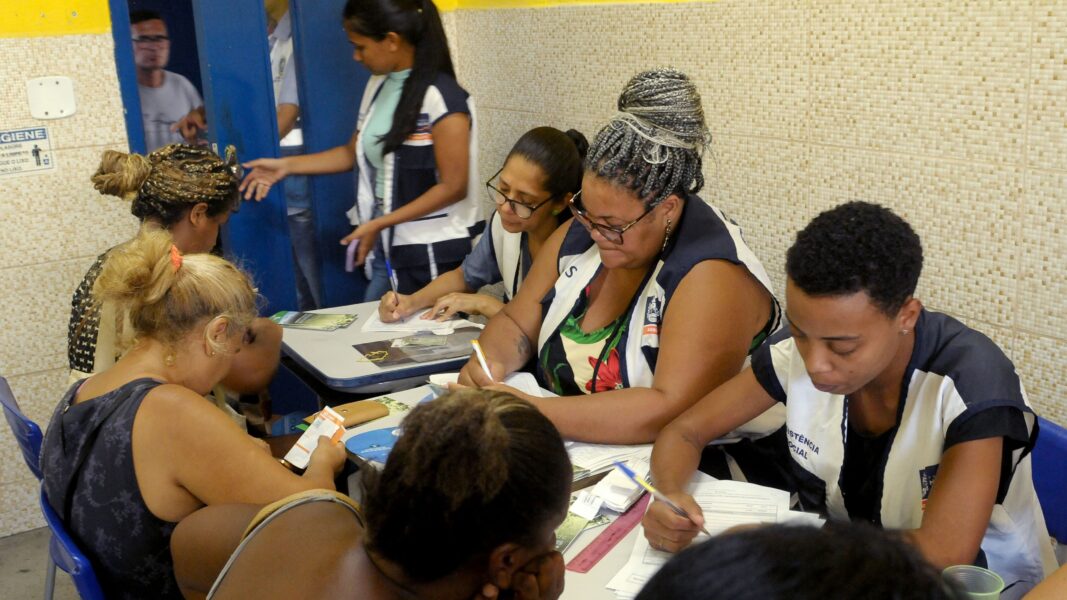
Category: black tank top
[89,479]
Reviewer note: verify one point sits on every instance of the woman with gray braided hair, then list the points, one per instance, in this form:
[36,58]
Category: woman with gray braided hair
[189,192]
[650,297]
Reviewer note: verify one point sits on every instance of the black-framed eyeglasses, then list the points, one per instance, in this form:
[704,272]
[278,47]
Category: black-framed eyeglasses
[150,39]
[608,232]
[521,210]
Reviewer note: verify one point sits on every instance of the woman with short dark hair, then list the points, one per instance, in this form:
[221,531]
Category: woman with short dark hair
[895,415]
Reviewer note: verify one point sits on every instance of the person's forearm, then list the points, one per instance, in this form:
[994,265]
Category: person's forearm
[940,550]
[335,160]
[625,416]
[433,200]
[489,305]
[675,458]
[287,115]
[319,476]
[504,342]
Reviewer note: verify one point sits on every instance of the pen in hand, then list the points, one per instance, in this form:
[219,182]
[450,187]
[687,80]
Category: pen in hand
[481,359]
[392,282]
[659,496]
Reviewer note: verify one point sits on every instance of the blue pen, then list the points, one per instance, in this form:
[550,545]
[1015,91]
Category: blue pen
[678,510]
[392,282]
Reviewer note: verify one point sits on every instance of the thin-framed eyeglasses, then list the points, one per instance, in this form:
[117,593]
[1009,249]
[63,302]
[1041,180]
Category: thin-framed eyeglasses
[608,232]
[521,209]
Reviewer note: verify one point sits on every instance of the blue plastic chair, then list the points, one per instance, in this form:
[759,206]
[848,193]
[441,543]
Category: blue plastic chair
[1050,476]
[66,555]
[27,433]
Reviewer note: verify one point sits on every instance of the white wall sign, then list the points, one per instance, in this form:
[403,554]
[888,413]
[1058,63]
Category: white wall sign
[25,151]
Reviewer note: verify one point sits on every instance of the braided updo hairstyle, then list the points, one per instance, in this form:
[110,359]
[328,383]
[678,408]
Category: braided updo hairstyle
[166,183]
[654,145]
[473,469]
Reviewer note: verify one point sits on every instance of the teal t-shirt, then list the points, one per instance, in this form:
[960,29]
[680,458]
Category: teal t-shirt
[379,124]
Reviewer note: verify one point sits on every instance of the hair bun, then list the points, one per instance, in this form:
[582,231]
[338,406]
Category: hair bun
[580,142]
[121,174]
[139,272]
[667,99]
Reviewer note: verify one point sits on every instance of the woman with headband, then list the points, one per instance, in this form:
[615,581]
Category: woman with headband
[650,297]
[190,192]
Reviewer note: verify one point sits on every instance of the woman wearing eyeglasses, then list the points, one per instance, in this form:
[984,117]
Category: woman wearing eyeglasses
[539,177]
[649,296]
[413,149]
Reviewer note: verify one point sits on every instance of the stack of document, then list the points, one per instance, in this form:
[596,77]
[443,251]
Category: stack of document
[590,459]
[725,504]
[618,490]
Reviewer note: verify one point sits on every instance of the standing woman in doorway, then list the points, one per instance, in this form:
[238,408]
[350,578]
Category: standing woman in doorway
[413,146]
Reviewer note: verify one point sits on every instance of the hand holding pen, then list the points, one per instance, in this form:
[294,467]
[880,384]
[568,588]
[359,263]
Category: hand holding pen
[670,523]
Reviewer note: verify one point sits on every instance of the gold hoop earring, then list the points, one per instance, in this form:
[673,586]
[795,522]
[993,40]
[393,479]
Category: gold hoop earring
[666,236]
[168,360]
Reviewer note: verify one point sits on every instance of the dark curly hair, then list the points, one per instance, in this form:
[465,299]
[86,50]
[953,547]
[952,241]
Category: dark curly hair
[857,246]
[840,560]
[473,469]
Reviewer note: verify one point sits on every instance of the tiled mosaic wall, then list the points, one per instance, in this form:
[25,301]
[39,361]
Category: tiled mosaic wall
[952,113]
[52,226]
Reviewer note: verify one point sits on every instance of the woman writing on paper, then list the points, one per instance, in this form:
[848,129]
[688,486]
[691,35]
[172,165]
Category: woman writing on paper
[413,147]
[650,297]
[895,415]
[541,174]
[136,448]
[465,509]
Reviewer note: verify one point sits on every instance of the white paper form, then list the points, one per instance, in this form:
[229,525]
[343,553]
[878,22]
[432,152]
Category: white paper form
[520,380]
[725,504]
[414,324]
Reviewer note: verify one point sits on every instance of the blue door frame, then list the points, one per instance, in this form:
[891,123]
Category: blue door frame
[331,85]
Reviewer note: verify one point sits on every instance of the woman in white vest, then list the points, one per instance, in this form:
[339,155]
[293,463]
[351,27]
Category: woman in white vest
[540,175]
[895,415]
[650,296]
[414,148]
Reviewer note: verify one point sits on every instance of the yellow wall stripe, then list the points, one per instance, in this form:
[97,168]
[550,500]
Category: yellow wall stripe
[31,18]
[450,5]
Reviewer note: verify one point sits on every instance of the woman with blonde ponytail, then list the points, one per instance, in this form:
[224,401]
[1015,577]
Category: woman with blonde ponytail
[132,450]
[188,192]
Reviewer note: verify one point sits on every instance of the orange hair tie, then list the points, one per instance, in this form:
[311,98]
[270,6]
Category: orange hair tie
[175,258]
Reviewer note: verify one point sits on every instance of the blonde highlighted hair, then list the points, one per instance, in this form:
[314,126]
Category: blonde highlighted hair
[166,303]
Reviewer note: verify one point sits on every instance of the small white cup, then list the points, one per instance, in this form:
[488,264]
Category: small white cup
[975,582]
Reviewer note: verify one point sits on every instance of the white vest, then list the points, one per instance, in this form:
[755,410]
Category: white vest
[1016,543]
[507,248]
[455,219]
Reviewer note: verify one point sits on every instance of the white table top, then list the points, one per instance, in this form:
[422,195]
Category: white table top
[330,357]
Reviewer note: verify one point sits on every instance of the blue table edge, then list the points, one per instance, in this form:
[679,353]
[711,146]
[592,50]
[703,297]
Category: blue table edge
[352,383]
